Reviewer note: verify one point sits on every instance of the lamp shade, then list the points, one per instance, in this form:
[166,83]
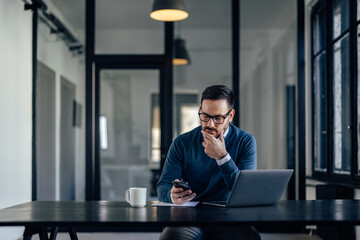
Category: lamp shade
[181,56]
[169,10]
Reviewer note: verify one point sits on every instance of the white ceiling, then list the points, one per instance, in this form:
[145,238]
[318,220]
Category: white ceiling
[134,14]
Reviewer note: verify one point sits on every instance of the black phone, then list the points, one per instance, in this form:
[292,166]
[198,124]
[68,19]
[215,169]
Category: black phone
[182,184]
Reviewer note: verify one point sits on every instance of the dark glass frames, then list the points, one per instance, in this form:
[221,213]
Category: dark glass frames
[218,119]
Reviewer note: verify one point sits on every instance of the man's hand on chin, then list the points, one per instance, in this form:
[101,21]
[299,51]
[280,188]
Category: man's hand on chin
[214,147]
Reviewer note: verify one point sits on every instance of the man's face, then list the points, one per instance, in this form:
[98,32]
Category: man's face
[216,108]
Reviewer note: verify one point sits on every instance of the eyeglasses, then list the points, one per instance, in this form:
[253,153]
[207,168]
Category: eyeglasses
[217,119]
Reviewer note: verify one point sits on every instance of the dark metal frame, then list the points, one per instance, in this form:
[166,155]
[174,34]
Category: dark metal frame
[90,187]
[121,66]
[354,86]
[301,99]
[34,71]
[319,5]
[34,8]
[235,20]
[290,138]
[329,176]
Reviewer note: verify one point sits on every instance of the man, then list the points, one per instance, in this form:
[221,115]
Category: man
[209,158]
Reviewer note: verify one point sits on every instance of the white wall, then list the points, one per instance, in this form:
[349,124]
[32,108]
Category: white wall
[53,52]
[15,107]
[16,103]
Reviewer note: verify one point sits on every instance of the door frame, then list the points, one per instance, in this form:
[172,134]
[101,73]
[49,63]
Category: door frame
[165,122]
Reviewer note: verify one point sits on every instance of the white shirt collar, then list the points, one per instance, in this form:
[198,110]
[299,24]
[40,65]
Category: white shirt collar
[227,131]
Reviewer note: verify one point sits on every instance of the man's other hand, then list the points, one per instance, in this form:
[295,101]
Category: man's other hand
[179,196]
[214,147]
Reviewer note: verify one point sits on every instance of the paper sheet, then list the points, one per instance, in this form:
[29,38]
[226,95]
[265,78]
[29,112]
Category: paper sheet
[163,204]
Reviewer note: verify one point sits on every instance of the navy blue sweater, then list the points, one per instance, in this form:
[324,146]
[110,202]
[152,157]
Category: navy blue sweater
[187,160]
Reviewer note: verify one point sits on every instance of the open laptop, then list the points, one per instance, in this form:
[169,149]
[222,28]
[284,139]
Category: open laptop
[256,187]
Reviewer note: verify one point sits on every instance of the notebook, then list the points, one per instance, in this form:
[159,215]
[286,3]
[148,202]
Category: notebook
[256,187]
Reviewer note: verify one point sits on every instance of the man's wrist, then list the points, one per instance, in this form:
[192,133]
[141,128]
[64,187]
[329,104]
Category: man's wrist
[223,160]
[222,156]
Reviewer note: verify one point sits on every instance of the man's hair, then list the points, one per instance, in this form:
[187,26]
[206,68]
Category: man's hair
[217,92]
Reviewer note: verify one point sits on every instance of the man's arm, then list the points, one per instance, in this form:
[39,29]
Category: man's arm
[215,148]
[173,170]
[247,161]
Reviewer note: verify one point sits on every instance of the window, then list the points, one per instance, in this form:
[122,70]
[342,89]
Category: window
[335,131]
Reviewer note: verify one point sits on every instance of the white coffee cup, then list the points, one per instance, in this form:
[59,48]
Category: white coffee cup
[136,196]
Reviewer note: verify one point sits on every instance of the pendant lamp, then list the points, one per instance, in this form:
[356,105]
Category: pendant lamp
[181,56]
[169,10]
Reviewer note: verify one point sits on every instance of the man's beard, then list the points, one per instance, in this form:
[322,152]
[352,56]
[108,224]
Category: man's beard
[211,131]
[215,130]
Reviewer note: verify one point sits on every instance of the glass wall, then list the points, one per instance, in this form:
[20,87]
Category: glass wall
[129,101]
[207,35]
[268,77]
[125,27]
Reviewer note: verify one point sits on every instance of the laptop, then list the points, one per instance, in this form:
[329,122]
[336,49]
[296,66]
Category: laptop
[256,188]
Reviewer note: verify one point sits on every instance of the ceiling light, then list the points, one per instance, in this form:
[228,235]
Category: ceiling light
[181,56]
[169,10]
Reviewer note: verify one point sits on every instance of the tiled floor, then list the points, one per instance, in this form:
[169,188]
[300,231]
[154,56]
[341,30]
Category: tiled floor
[155,236]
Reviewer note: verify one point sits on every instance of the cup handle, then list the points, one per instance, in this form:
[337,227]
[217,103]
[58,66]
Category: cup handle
[127,196]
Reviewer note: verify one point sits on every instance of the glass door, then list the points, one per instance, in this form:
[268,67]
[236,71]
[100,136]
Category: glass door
[129,131]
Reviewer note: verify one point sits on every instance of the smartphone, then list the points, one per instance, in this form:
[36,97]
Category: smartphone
[182,184]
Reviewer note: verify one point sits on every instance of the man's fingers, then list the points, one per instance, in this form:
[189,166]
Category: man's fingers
[176,190]
[188,198]
[206,134]
[209,137]
[179,192]
[221,137]
[184,196]
[184,199]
